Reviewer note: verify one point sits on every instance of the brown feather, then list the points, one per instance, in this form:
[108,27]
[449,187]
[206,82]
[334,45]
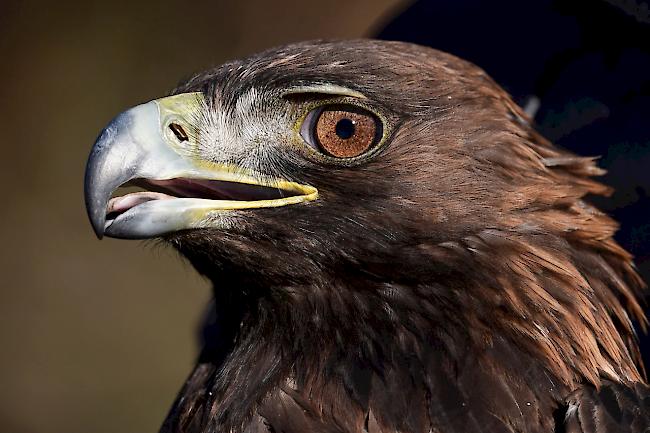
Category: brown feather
[458,281]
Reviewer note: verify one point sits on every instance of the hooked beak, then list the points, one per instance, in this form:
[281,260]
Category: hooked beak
[153,145]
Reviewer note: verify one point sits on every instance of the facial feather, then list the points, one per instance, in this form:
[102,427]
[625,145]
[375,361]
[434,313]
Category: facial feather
[460,264]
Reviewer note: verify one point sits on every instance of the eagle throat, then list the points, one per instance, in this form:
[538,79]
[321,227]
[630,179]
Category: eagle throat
[444,311]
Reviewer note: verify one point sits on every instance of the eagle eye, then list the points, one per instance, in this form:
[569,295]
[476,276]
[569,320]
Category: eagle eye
[341,131]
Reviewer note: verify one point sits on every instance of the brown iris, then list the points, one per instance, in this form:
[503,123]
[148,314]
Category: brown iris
[345,133]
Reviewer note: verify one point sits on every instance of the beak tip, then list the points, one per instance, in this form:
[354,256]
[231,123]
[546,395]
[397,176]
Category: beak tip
[98,233]
[96,198]
[96,210]
[97,222]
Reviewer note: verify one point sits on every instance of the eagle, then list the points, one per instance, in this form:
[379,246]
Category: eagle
[392,245]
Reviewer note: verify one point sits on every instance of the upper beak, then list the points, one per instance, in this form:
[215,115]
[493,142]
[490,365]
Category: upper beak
[154,143]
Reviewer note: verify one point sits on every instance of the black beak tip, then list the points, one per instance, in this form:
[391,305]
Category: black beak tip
[95,207]
[97,220]
[99,233]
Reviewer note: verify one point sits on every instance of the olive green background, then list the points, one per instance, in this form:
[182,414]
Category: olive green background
[99,336]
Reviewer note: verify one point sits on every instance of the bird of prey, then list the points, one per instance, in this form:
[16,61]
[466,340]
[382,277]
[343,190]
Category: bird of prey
[393,248]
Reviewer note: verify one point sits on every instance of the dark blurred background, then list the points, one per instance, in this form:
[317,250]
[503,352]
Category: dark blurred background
[100,336]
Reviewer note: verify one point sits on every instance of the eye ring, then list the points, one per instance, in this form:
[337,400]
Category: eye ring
[341,131]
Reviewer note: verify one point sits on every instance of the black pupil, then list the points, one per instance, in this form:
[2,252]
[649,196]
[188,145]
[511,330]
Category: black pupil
[345,128]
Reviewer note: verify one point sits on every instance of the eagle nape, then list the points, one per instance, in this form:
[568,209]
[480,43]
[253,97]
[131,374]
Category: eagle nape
[393,248]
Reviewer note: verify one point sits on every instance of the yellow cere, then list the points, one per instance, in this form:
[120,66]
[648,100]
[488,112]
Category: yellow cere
[176,109]
[183,105]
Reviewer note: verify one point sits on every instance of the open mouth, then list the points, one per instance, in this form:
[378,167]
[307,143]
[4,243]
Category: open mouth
[224,195]
[175,191]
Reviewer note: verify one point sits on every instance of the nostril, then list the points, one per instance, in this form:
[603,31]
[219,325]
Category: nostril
[179,132]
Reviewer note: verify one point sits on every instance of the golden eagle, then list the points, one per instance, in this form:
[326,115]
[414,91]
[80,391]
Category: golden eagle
[393,248]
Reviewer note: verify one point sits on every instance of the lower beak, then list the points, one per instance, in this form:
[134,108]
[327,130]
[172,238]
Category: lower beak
[153,145]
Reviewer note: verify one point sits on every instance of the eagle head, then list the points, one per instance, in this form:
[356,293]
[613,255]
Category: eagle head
[371,206]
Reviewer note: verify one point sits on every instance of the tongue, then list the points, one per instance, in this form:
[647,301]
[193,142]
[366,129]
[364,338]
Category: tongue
[126,202]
